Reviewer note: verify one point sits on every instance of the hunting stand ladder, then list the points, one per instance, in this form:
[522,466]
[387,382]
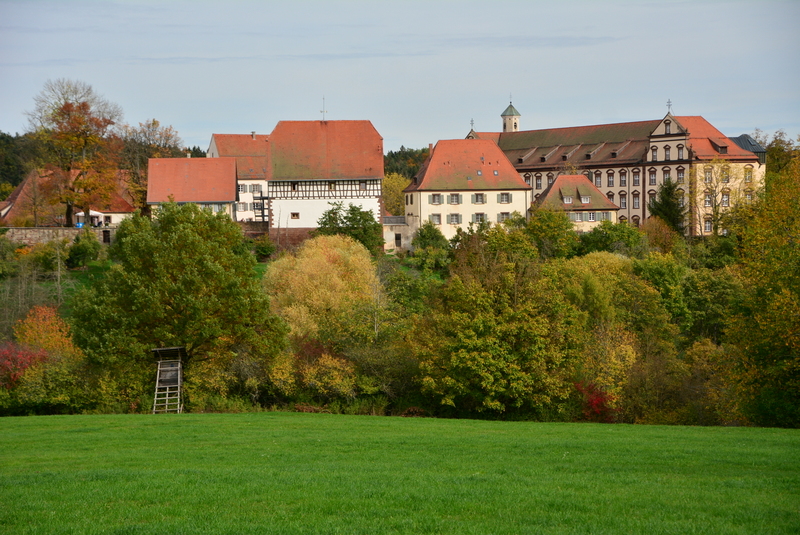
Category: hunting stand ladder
[169,380]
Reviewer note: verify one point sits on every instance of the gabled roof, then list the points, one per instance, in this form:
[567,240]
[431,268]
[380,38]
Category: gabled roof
[306,150]
[326,150]
[705,141]
[199,180]
[455,164]
[250,150]
[576,187]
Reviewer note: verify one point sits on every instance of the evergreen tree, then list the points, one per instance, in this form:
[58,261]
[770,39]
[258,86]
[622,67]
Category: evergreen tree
[667,205]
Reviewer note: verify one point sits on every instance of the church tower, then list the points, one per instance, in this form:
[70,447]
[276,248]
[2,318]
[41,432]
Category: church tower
[510,119]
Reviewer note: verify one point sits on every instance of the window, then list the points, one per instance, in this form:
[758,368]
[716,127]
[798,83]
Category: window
[636,178]
[707,226]
[550,179]
[667,174]
[504,198]
[654,155]
[495,172]
[681,176]
[610,179]
[667,128]
[527,177]
[623,201]
[479,172]
[294,186]
[585,199]
[538,182]
[478,198]
[748,196]
[590,216]
[610,196]
[241,206]
[708,174]
[576,217]
[258,206]
[605,216]
[623,179]
[681,198]
[651,197]
[707,200]
[635,202]
[435,198]
[295,215]
[635,220]
[726,174]
[406,200]
[478,218]
[598,179]
[748,174]
[567,199]
[255,188]
[726,199]
[398,240]
[666,153]
[454,198]
[652,177]
[331,186]
[680,152]
[503,216]
[436,219]
[362,185]
[241,188]
[454,219]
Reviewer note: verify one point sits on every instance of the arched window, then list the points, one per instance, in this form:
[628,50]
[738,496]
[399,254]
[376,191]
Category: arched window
[527,177]
[550,179]
[680,152]
[635,220]
[654,155]
[623,200]
[652,173]
[666,152]
[681,175]
[623,219]
[623,179]
[748,173]
[598,179]
[666,173]
[610,196]
[668,128]
[636,175]
[610,179]
[681,198]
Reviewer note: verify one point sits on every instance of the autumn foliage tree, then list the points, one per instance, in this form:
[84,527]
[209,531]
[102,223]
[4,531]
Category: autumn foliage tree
[74,123]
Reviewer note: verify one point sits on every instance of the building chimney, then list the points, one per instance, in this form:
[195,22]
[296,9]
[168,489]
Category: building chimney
[254,134]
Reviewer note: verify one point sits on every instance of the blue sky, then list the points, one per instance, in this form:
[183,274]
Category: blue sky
[419,70]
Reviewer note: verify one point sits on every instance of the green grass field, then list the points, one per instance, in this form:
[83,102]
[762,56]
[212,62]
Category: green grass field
[315,473]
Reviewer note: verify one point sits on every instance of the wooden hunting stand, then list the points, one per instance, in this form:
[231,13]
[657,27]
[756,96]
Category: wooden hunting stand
[169,379]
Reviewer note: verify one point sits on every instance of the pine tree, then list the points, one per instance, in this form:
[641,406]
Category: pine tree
[668,206]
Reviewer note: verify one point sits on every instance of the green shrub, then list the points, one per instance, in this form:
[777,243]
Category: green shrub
[84,249]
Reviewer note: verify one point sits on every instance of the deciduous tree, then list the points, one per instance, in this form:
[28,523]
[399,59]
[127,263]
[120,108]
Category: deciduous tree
[359,224]
[392,191]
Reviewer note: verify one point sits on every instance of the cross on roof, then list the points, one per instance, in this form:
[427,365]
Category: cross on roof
[669,106]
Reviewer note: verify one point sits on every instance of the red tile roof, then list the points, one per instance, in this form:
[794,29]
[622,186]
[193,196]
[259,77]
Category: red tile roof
[704,141]
[575,186]
[467,164]
[251,153]
[200,180]
[325,150]
[307,150]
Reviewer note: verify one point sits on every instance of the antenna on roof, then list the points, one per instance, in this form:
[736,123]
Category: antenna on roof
[323,111]
[669,106]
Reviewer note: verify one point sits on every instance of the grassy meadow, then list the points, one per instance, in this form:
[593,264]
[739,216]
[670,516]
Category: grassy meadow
[264,473]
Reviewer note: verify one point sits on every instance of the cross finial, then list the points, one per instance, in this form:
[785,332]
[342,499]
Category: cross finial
[669,106]
[323,111]
[472,124]
[510,100]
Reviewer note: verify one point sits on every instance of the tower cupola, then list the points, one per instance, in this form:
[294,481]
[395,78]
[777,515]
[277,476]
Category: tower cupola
[510,119]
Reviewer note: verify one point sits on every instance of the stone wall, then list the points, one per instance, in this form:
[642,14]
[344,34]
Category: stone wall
[34,235]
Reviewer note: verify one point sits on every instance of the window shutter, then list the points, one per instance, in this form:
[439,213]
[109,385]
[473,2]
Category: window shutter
[510,197]
[499,220]
[473,198]
[460,199]
[499,197]
[473,218]
[430,199]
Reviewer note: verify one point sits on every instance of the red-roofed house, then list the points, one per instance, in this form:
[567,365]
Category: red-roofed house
[290,177]
[584,203]
[207,182]
[465,181]
[629,161]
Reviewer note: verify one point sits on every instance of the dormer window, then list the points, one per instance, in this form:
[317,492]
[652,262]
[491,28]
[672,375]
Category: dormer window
[614,154]
[479,172]
[567,199]
[495,172]
[585,199]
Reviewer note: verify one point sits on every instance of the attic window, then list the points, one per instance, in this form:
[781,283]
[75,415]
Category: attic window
[479,172]
[667,127]
[585,199]
[614,154]
[588,155]
[495,172]
[567,199]
[541,159]
[563,157]
[519,160]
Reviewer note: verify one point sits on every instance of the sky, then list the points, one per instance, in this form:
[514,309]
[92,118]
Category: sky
[421,71]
